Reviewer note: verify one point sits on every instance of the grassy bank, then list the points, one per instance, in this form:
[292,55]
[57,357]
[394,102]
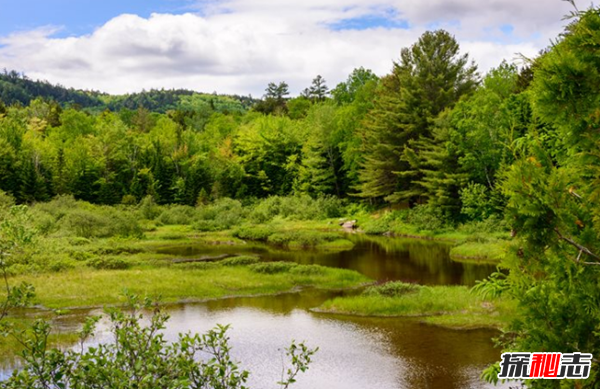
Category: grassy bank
[483,240]
[448,306]
[491,251]
[193,281]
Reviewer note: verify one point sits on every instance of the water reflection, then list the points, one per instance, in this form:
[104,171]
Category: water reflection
[355,352]
[379,258]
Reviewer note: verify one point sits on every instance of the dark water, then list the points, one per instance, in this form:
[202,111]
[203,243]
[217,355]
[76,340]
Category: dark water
[380,258]
[354,352]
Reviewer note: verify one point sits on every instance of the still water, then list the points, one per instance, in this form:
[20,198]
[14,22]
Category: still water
[380,258]
[354,352]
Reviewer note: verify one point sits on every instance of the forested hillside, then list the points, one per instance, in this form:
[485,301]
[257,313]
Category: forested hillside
[17,88]
[514,149]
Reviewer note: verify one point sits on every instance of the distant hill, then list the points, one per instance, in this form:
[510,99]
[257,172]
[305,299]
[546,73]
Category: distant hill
[17,88]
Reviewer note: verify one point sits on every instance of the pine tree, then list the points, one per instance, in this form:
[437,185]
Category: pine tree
[440,175]
[430,77]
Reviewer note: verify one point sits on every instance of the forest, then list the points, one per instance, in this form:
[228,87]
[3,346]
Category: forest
[506,162]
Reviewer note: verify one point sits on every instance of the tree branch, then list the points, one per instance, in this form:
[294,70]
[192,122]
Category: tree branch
[579,247]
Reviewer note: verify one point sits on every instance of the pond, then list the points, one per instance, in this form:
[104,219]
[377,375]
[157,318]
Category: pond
[354,352]
[380,258]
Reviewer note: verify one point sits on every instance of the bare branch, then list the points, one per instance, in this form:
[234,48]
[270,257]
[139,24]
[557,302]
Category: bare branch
[580,247]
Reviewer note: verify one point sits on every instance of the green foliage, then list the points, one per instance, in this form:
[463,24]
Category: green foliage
[110,263]
[552,192]
[426,217]
[104,222]
[139,358]
[392,289]
[430,77]
[242,260]
[296,208]
[177,214]
[475,201]
[223,214]
[255,233]
[273,267]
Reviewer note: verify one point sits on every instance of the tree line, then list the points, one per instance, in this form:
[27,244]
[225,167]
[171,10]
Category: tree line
[518,144]
[432,131]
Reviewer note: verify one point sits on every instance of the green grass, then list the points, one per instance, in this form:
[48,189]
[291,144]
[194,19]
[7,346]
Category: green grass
[478,251]
[448,306]
[89,287]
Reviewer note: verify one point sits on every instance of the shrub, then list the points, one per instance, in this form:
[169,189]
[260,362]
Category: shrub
[242,260]
[308,270]
[220,215]
[301,207]
[148,209]
[476,203]
[79,241]
[209,225]
[490,225]
[60,265]
[375,226]
[60,206]
[110,263]
[82,255]
[6,201]
[140,356]
[256,233]
[128,200]
[272,267]
[177,215]
[280,238]
[425,217]
[100,222]
[392,289]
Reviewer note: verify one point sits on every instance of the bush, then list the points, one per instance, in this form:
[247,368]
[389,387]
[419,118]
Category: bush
[140,356]
[100,222]
[256,233]
[297,208]
[177,215]
[242,260]
[110,263]
[272,267]
[220,215]
[392,289]
[60,265]
[82,256]
[128,200]
[375,226]
[148,209]
[476,204]
[6,201]
[425,217]
[308,270]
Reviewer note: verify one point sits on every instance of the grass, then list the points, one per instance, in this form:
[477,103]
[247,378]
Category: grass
[89,287]
[478,251]
[448,306]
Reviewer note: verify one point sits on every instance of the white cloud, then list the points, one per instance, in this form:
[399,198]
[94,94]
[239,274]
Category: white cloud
[238,46]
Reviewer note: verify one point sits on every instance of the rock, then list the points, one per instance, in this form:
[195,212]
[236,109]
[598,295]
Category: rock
[351,224]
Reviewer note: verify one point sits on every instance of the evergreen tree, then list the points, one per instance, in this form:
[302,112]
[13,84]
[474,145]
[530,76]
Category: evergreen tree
[320,160]
[553,205]
[430,77]
[318,90]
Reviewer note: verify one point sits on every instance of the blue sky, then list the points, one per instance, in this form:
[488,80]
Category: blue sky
[239,46]
[77,17]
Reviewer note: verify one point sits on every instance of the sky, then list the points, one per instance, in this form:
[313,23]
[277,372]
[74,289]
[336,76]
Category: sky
[239,46]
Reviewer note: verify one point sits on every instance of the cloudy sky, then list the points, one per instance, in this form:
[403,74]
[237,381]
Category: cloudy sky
[238,46]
